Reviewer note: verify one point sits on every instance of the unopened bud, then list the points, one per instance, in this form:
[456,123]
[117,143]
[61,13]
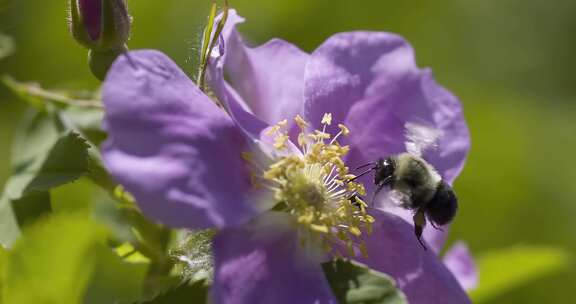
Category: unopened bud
[100,24]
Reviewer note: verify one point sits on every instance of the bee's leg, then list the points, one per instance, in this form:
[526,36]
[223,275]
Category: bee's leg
[354,200]
[379,188]
[419,223]
[436,227]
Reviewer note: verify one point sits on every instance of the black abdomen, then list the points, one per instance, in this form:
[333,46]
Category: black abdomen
[442,208]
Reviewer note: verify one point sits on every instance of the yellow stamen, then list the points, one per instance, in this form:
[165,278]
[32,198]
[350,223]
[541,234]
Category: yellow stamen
[327,119]
[283,123]
[280,142]
[317,187]
[302,124]
[345,131]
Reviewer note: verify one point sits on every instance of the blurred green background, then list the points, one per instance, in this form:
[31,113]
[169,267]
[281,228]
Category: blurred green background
[510,61]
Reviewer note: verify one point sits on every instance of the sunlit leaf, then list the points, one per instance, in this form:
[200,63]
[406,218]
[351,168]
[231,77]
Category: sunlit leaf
[64,259]
[9,228]
[6,46]
[3,254]
[128,224]
[131,254]
[115,280]
[353,282]
[503,270]
[53,261]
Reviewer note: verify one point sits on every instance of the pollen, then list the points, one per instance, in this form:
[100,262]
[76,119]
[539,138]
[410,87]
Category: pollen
[316,187]
[327,119]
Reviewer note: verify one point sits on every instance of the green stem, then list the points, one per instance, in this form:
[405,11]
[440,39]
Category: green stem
[209,44]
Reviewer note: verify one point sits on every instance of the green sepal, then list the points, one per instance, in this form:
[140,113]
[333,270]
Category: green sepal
[115,25]
[204,53]
[77,28]
[353,282]
[101,61]
[194,255]
[207,43]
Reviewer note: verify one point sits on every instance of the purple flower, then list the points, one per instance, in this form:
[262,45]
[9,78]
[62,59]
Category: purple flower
[191,164]
[460,263]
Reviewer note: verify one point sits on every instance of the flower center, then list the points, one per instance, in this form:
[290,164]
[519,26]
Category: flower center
[316,188]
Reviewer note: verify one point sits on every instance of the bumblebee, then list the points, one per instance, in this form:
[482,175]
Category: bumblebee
[416,183]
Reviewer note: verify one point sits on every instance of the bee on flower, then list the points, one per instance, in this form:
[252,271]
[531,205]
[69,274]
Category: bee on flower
[265,158]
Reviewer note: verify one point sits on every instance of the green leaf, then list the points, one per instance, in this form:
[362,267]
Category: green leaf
[45,155]
[185,293]
[353,282]
[53,261]
[30,207]
[66,161]
[6,46]
[63,259]
[506,269]
[34,137]
[115,280]
[3,254]
[44,158]
[88,121]
[9,228]
[16,213]
[129,225]
[98,174]
[77,197]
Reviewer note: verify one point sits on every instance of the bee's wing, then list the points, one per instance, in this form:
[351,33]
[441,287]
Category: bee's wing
[420,138]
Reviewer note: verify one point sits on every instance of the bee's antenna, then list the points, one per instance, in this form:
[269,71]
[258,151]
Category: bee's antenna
[365,172]
[361,174]
[365,165]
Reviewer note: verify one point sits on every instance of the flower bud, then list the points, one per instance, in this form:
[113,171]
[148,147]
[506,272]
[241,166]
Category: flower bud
[100,24]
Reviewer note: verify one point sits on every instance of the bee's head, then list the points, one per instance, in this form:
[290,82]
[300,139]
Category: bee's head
[384,174]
